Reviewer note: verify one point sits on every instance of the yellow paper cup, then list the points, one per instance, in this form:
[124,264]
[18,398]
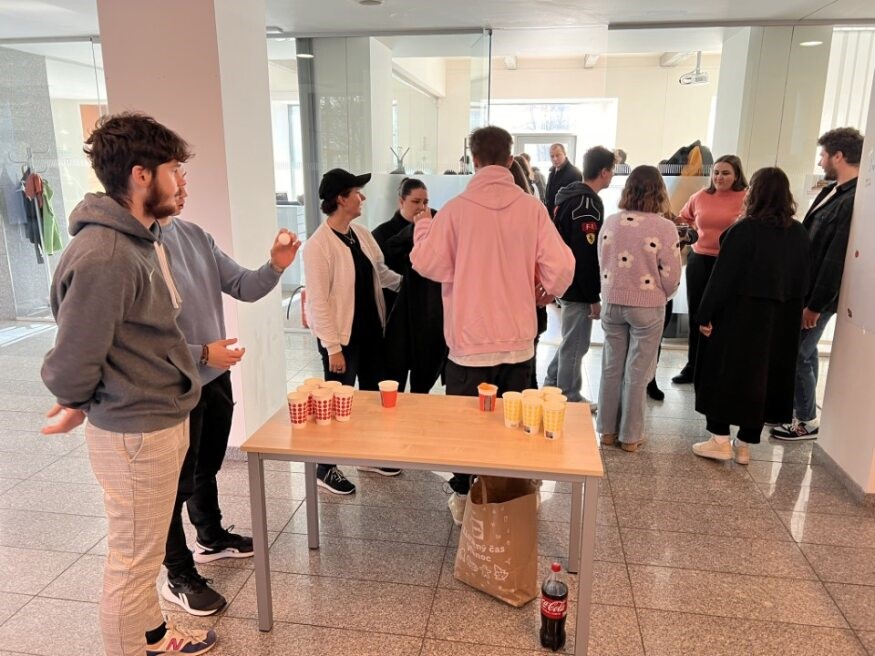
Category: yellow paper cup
[513,409]
[551,390]
[554,419]
[555,398]
[532,408]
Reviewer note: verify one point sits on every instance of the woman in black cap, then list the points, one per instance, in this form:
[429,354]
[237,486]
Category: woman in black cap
[345,275]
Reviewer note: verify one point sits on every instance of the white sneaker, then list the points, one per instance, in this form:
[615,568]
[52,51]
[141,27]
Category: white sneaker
[457,503]
[713,449]
[742,452]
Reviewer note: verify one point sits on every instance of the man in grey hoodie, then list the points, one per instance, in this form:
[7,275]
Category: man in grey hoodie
[202,272]
[120,360]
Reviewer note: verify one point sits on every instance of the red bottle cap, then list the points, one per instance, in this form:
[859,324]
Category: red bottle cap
[556,567]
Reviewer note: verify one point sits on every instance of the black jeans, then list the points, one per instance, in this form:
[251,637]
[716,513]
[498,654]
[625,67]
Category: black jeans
[699,269]
[210,426]
[463,381]
[365,362]
[748,434]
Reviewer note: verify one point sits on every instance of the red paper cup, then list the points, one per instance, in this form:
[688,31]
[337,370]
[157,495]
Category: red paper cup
[487,394]
[299,408]
[343,402]
[388,393]
[323,406]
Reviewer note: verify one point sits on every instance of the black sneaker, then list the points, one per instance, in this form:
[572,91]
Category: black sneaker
[382,471]
[335,482]
[798,431]
[192,592]
[226,545]
[685,377]
[654,392]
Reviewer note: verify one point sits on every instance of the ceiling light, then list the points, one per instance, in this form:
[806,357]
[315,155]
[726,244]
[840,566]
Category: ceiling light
[305,55]
[274,29]
[370,3]
[811,44]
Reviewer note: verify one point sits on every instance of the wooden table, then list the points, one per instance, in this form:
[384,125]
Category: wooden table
[434,433]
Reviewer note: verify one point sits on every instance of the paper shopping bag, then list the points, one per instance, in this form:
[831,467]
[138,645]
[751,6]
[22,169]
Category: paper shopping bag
[498,546]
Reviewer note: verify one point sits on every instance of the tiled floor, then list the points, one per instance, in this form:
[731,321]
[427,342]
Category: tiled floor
[693,557]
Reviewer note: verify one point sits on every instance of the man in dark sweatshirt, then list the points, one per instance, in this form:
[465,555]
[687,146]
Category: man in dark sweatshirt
[202,272]
[579,218]
[120,360]
[562,173]
[828,222]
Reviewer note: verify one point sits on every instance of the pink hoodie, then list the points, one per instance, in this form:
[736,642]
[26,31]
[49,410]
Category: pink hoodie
[487,246]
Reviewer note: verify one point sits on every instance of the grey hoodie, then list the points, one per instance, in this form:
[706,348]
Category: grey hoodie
[118,355]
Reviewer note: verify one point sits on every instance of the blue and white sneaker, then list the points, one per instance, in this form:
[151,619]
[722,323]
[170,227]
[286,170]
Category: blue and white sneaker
[183,641]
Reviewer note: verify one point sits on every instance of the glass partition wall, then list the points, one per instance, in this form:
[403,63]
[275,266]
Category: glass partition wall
[51,94]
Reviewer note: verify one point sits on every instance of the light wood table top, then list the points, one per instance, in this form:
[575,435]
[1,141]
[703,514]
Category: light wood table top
[437,432]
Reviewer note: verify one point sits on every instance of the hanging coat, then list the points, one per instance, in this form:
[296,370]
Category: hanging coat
[745,371]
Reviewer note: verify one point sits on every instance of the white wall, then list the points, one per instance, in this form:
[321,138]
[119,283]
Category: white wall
[656,115]
[454,114]
[430,73]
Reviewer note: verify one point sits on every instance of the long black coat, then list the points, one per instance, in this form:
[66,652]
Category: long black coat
[415,328]
[745,371]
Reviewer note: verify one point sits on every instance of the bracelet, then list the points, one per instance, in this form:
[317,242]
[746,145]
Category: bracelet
[275,267]
[205,354]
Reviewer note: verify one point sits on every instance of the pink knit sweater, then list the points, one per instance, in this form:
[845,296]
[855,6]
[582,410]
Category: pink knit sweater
[710,215]
[639,258]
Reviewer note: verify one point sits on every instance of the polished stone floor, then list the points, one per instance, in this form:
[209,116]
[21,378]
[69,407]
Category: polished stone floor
[693,557]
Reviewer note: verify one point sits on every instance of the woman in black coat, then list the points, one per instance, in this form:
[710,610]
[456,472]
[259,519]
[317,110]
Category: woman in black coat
[751,315]
[415,329]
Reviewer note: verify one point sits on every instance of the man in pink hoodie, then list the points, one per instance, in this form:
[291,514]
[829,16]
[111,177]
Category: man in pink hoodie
[495,252]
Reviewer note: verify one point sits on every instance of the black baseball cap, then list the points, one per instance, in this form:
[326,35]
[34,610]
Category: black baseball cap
[336,181]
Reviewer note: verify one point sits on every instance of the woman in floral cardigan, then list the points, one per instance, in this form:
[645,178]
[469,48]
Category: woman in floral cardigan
[640,265]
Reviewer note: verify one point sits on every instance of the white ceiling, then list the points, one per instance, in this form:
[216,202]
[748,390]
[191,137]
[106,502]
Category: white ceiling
[44,18]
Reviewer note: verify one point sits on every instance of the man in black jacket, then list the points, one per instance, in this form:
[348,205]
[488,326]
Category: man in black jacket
[579,218]
[562,173]
[829,224]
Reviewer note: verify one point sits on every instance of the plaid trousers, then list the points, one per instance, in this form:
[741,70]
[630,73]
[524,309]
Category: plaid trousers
[139,474]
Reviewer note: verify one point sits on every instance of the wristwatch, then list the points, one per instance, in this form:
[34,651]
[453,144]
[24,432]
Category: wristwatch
[205,354]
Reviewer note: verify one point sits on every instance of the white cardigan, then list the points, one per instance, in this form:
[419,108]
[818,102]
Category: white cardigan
[330,281]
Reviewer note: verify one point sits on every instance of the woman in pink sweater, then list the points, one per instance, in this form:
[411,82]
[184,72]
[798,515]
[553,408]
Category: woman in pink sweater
[710,211]
[640,263]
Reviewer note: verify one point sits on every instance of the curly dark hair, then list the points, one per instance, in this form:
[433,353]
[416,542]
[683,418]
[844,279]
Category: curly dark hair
[740,183]
[645,192]
[122,141]
[847,141]
[769,198]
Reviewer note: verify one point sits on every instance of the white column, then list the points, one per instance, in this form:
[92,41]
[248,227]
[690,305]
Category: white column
[770,98]
[200,67]
[848,410]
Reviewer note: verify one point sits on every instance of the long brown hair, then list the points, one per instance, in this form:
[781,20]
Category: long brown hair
[740,182]
[519,177]
[769,198]
[645,192]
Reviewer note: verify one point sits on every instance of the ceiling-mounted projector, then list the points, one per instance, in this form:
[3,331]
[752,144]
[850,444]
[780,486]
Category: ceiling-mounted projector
[695,77]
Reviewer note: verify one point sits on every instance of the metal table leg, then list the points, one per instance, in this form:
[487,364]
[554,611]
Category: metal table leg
[584,578]
[312,503]
[574,539]
[259,542]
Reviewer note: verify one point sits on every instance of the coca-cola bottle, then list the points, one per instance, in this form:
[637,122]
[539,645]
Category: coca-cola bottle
[554,607]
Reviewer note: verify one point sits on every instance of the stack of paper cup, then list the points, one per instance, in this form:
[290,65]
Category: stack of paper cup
[323,406]
[532,409]
[343,402]
[308,389]
[299,408]
[554,419]
[513,409]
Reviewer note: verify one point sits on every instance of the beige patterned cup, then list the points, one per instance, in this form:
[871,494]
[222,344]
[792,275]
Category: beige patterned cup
[532,409]
[554,419]
[513,409]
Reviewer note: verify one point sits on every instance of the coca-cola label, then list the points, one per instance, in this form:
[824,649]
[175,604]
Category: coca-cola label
[554,609]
